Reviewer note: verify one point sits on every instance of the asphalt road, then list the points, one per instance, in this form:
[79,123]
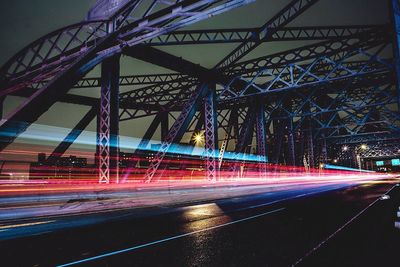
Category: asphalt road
[333,225]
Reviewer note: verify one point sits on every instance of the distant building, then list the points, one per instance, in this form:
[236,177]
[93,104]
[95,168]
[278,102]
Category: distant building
[72,167]
[63,167]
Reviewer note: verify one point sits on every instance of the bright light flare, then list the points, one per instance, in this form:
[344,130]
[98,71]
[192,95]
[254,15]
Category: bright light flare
[198,138]
[364,147]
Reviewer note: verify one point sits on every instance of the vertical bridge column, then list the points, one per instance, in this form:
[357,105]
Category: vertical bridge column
[310,144]
[211,134]
[261,139]
[324,150]
[108,147]
[291,144]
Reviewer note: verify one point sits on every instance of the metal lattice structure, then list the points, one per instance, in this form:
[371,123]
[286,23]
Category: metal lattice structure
[339,87]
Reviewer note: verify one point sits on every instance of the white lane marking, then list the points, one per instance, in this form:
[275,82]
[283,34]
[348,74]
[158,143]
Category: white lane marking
[10,226]
[168,239]
[323,242]
[206,229]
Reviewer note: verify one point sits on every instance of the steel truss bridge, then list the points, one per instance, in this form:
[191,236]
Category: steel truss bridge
[297,106]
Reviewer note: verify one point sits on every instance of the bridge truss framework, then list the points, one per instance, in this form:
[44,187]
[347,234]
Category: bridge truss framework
[299,106]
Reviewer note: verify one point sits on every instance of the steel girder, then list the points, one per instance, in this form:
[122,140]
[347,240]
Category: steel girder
[380,150]
[289,34]
[130,80]
[348,108]
[170,94]
[176,132]
[372,150]
[261,140]
[64,68]
[222,36]
[285,16]
[167,95]
[211,135]
[158,119]
[168,61]
[338,53]
[290,12]
[134,80]
[310,143]
[291,156]
[227,36]
[232,124]
[47,56]
[261,133]
[108,128]
[72,135]
[334,49]
[364,138]
[161,118]
[249,69]
[362,65]
[293,76]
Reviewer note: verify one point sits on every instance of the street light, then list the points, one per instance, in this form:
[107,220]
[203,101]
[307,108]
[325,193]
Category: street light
[198,138]
[364,147]
[345,148]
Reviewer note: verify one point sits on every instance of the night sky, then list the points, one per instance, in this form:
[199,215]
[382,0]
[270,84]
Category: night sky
[22,21]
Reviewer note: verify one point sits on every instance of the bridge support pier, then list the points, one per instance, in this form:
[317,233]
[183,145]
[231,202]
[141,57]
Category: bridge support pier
[211,134]
[108,123]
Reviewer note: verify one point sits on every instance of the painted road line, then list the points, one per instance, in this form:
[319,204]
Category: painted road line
[105,255]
